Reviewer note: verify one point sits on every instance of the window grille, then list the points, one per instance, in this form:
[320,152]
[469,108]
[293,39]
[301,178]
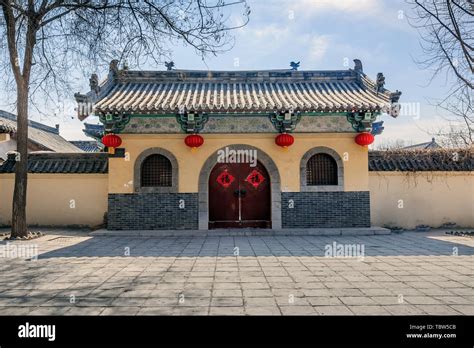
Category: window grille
[321,169]
[156,171]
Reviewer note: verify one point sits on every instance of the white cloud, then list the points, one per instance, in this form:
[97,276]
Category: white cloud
[274,38]
[318,47]
[269,32]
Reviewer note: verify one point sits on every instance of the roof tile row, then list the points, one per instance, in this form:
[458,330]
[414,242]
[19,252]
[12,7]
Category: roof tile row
[90,163]
[421,160]
[58,163]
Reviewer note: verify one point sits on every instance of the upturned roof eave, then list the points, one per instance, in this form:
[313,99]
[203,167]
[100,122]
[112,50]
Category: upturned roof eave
[117,78]
[233,112]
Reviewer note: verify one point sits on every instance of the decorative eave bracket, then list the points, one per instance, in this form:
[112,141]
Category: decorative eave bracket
[114,123]
[192,122]
[285,121]
[362,121]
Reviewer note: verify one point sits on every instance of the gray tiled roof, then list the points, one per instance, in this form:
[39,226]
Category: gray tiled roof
[57,163]
[161,92]
[89,163]
[423,146]
[87,145]
[421,160]
[40,134]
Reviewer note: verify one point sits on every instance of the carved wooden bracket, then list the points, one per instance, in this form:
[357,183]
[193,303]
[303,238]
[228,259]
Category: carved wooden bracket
[192,122]
[285,121]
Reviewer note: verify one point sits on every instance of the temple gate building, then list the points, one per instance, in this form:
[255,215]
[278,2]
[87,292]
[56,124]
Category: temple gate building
[230,149]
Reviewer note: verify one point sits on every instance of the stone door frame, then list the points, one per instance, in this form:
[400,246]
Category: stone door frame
[263,158]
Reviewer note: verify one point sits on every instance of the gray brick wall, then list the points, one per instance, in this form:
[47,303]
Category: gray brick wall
[152,211]
[325,209]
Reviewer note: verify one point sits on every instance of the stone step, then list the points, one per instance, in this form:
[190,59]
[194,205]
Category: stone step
[362,231]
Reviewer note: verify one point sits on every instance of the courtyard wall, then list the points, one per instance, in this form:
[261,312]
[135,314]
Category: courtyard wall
[58,199]
[397,199]
[409,199]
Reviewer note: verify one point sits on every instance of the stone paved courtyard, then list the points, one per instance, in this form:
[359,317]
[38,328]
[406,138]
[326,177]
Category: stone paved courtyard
[75,274]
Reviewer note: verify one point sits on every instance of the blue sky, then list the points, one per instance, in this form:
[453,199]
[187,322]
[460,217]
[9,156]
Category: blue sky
[327,34]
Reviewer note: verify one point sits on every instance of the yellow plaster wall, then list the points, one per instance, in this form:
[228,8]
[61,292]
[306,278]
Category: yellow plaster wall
[429,198]
[49,199]
[288,162]
[424,198]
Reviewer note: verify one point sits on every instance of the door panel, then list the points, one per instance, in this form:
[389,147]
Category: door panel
[239,196]
[223,203]
[256,200]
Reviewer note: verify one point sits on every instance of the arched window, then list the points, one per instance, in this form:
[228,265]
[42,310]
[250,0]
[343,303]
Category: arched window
[321,169]
[156,171]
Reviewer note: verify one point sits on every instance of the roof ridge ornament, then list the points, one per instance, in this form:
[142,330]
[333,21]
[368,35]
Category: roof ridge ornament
[394,106]
[169,65]
[113,68]
[395,96]
[94,83]
[358,66]
[295,65]
[379,83]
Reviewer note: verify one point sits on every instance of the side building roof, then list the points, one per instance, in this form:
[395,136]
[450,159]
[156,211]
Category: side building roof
[61,163]
[430,145]
[87,145]
[45,136]
[421,160]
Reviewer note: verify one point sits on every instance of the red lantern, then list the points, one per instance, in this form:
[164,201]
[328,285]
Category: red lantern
[111,140]
[284,140]
[194,141]
[364,139]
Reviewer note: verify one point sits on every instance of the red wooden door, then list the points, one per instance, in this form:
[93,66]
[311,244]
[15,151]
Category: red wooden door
[239,196]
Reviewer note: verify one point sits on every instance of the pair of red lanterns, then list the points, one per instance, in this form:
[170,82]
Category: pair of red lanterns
[113,141]
[195,140]
[285,140]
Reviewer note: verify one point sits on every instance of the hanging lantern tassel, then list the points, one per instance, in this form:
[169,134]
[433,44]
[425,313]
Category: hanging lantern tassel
[194,141]
[364,139]
[111,141]
[284,140]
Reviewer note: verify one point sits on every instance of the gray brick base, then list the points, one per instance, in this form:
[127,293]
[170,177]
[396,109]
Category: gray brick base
[325,209]
[152,211]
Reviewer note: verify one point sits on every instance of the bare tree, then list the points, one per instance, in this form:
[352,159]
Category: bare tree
[447,34]
[387,145]
[48,41]
[453,136]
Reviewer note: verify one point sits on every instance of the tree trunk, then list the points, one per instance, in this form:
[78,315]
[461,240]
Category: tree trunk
[19,227]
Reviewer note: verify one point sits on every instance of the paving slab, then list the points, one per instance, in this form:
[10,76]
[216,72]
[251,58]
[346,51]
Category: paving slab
[409,273]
